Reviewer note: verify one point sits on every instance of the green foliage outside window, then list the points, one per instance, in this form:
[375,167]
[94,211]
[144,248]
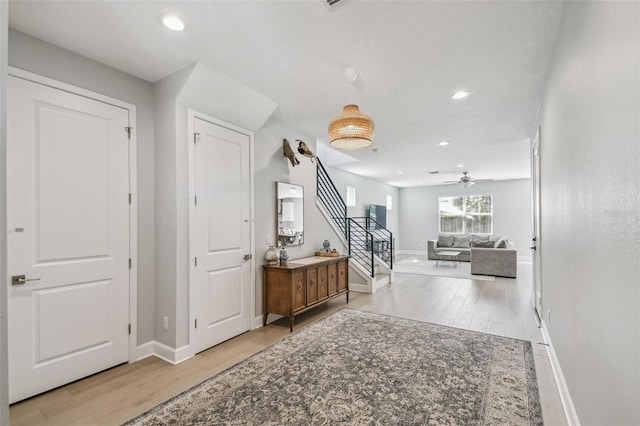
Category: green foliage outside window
[466,214]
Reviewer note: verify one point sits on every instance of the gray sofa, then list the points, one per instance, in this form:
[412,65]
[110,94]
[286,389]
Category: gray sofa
[488,254]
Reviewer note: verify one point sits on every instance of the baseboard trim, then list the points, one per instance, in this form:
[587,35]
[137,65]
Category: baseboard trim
[567,404]
[164,352]
[144,351]
[360,288]
[257,322]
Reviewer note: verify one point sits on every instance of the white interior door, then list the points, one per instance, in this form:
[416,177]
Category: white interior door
[222,246]
[536,288]
[68,221]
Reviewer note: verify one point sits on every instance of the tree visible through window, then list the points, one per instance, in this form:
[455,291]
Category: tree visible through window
[466,214]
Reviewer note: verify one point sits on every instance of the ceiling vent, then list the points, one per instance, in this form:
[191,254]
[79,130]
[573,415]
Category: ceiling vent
[333,2]
[435,172]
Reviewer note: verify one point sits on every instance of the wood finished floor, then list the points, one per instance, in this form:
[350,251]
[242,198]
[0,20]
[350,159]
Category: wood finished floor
[112,397]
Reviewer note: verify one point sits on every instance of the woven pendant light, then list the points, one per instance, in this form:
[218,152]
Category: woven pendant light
[351,130]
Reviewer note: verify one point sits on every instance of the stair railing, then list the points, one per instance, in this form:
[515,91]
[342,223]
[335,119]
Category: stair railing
[331,200]
[382,239]
[367,238]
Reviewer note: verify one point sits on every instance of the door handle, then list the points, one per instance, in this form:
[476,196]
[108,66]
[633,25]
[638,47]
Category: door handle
[21,279]
[533,248]
[247,257]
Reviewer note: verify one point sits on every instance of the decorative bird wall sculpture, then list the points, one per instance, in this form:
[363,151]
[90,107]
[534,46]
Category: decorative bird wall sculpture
[288,152]
[304,149]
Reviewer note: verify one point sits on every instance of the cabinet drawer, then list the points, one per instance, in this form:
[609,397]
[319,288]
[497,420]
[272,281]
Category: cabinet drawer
[343,276]
[333,278]
[312,286]
[299,290]
[323,284]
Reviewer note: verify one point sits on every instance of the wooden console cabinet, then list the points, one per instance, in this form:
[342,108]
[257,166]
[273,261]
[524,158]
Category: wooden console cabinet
[303,284]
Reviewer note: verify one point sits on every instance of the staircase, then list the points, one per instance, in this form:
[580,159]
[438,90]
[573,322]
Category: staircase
[370,244]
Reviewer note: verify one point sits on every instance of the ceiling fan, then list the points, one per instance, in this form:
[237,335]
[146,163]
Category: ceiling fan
[467,181]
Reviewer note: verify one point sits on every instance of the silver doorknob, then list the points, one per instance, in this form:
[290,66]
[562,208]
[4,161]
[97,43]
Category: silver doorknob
[21,279]
[247,257]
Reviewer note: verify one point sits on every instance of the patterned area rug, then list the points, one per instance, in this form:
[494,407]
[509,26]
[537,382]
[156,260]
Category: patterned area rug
[356,368]
[419,264]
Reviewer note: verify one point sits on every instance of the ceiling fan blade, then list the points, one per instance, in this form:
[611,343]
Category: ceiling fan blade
[451,181]
[482,180]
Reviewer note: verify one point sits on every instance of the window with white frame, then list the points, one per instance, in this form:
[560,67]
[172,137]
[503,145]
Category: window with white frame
[466,214]
[351,196]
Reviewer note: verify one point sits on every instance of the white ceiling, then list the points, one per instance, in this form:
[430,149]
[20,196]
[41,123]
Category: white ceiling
[411,56]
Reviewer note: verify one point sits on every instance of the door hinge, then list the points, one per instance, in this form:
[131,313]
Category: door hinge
[129,328]
[196,323]
[195,263]
[129,198]
[195,137]
[130,263]
[128,129]
[195,199]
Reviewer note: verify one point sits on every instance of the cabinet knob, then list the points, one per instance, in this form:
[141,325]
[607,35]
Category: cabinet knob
[333,276]
[341,272]
[299,286]
[312,282]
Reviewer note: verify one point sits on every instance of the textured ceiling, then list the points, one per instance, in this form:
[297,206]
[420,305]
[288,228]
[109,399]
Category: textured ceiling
[411,56]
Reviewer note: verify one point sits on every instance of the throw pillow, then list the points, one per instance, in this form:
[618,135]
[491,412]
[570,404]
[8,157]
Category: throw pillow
[445,240]
[494,238]
[501,243]
[477,237]
[461,241]
[483,244]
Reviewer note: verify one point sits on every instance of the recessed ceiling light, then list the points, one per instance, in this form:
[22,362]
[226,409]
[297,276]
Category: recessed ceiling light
[443,143]
[460,165]
[173,22]
[400,172]
[460,94]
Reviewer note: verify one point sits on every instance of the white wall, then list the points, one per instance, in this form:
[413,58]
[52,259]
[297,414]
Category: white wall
[4,370]
[272,166]
[39,57]
[590,152]
[511,212]
[166,249]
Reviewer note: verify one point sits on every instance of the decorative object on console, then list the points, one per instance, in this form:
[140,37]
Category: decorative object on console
[333,253]
[271,256]
[283,256]
[288,152]
[304,149]
[326,250]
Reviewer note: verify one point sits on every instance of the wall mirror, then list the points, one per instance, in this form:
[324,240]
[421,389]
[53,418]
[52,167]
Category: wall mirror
[290,205]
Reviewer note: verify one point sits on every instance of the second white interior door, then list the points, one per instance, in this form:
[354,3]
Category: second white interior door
[222,281]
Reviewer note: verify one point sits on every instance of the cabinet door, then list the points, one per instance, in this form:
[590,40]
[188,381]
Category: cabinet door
[333,278]
[312,286]
[277,290]
[343,276]
[323,284]
[299,288]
